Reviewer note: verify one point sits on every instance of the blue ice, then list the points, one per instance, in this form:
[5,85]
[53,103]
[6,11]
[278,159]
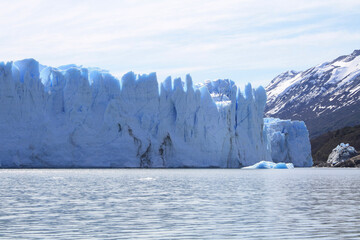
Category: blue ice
[270,165]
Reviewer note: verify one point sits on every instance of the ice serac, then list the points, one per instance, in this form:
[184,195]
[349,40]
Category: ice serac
[72,116]
[289,142]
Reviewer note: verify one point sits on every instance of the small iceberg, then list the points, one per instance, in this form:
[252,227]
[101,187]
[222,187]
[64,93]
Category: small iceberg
[270,165]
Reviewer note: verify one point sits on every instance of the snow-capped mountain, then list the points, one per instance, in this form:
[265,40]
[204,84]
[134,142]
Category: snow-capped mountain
[326,97]
[72,116]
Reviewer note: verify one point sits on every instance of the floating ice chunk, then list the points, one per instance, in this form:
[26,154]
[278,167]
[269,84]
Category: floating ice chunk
[262,165]
[270,165]
[284,166]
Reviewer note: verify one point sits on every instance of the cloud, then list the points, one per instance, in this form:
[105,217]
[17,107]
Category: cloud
[201,37]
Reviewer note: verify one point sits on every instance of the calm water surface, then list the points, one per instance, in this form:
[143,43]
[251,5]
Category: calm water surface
[180,204]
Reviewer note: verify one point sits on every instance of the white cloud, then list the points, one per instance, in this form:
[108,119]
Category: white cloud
[175,37]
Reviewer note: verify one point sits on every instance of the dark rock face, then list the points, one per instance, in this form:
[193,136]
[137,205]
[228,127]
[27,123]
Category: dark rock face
[356,160]
[323,164]
[326,97]
[347,163]
[352,162]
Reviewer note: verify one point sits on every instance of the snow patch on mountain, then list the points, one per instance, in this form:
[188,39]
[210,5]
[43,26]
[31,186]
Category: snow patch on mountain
[330,89]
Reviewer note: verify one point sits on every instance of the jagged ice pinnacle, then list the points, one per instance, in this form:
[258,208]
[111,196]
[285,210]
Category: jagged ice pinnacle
[76,117]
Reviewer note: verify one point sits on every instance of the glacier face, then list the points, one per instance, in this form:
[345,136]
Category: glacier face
[76,117]
[289,142]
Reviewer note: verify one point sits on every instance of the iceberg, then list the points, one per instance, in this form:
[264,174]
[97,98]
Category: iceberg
[270,165]
[73,116]
[341,153]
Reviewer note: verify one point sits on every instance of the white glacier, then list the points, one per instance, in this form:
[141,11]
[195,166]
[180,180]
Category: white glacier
[289,142]
[71,116]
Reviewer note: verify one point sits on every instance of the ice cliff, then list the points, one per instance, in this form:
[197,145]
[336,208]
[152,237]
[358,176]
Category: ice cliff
[289,142]
[76,117]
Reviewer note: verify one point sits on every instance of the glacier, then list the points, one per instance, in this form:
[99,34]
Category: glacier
[72,116]
[289,142]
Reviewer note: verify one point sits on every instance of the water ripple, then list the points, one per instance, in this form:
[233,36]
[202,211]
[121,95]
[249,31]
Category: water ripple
[180,204]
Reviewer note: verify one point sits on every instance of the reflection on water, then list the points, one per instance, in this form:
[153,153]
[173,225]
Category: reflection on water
[180,204]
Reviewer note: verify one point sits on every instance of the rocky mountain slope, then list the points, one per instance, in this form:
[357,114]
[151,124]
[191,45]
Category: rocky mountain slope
[326,97]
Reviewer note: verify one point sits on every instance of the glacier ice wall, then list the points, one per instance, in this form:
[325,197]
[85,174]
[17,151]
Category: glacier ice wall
[76,117]
[289,142]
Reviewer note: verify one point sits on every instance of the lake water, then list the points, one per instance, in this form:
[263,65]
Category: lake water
[180,204]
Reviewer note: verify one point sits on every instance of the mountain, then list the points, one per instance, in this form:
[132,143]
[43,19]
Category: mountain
[326,97]
[72,116]
[322,145]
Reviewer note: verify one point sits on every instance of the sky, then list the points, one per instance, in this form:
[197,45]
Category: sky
[243,40]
